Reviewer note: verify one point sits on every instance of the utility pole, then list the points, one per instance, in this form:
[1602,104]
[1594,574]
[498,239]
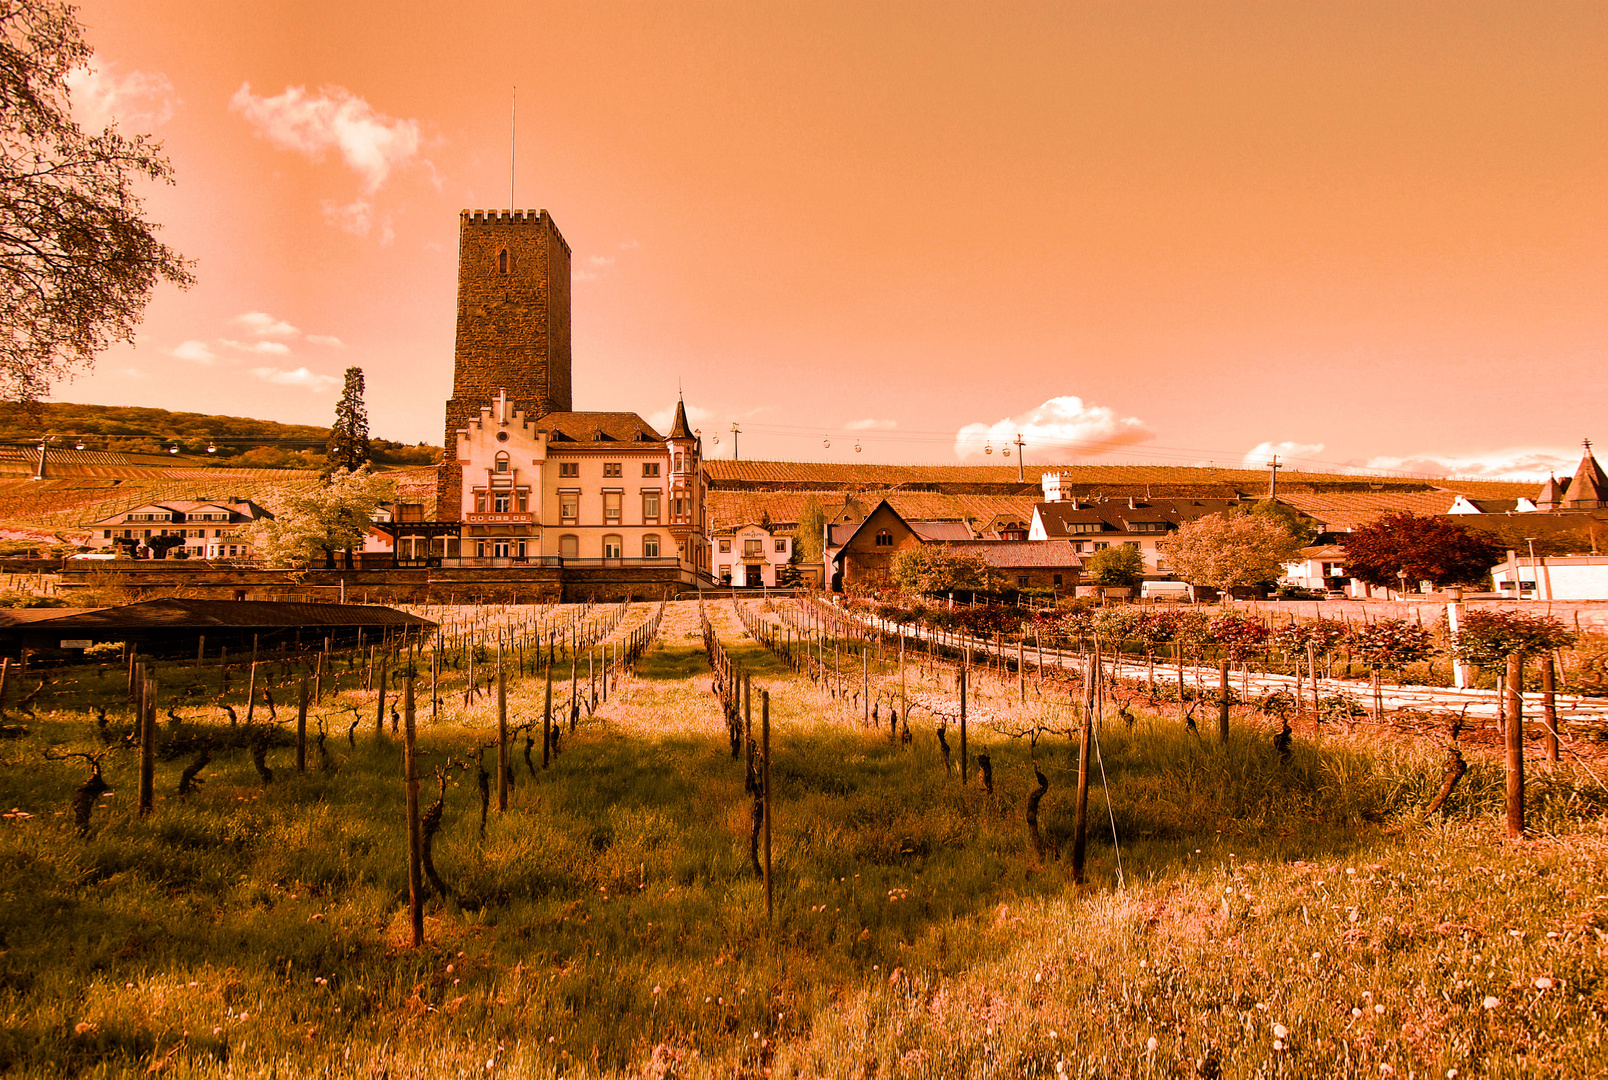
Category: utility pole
[734,433]
[1020,472]
[1273,478]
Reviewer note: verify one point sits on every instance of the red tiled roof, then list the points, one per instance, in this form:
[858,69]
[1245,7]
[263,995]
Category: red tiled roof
[1021,554]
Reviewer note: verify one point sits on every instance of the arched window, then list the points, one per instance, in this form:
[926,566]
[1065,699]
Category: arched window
[884,538]
[502,261]
[613,546]
[569,546]
[502,461]
[650,546]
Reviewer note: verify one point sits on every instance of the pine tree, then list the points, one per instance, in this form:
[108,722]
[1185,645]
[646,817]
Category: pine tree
[349,438]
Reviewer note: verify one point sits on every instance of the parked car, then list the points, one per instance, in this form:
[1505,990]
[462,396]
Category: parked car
[95,556]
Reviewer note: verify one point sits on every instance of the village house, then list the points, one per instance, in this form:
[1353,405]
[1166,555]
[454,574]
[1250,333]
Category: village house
[1091,526]
[751,555]
[208,529]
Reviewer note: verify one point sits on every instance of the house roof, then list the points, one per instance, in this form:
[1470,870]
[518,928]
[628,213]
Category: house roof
[1021,554]
[1119,514]
[679,429]
[1589,486]
[598,429]
[176,613]
[243,510]
[930,531]
[1343,511]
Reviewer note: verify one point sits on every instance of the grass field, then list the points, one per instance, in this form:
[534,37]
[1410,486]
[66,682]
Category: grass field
[1266,920]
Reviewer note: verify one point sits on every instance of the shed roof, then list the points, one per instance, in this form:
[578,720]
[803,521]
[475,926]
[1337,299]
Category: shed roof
[176,613]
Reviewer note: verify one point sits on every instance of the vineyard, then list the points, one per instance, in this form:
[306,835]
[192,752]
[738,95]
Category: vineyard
[764,838]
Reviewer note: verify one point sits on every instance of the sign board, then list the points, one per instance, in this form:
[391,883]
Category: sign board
[76,643]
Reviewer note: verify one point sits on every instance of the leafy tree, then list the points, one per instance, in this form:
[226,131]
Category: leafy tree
[1487,637]
[934,568]
[78,261]
[1300,527]
[1428,548]
[317,523]
[349,437]
[161,545]
[1119,567]
[1229,551]
[811,533]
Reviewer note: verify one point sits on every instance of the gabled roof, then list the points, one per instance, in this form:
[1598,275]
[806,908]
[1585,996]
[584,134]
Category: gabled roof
[939,530]
[833,531]
[598,429]
[1021,554]
[1589,487]
[1551,492]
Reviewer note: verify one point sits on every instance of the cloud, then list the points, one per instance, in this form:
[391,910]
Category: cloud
[265,325]
[661,420]
[369,142]
[197,352]
[627,245]
[300,377]
[1060,425]
[326,340]
[138,101]
[356,217]
[1519,463]
[266,348]
[135,373]
[1259,455]
[593,267]
[871,425]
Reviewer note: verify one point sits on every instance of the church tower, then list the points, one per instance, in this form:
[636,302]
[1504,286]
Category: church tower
[513,326]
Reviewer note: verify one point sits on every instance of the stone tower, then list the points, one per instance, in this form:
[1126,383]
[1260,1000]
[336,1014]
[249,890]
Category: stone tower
[513,326]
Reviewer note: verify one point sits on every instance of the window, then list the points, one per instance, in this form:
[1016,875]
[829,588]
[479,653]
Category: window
[680,506]
[569,546]
[501,502]
[650,546]
[523,495]
[884,538]
[612,546]
[480,502]
[1057,580]
[1021,581]
[569,468]
[725,545]
[1101,546]
[1130,543]
[502,461]
[611,505]
[569,505]
[781,546]
[1086,527]
[611,468]
[1147,526]
[480,549]
[650,506]
[650,468]
[106,534]
[753,547]
[502,261]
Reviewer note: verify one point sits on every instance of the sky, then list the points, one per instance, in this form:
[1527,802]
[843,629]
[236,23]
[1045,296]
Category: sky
[1357,235]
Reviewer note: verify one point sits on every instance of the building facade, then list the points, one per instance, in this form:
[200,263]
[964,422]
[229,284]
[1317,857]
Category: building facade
[208,529]
[750,555]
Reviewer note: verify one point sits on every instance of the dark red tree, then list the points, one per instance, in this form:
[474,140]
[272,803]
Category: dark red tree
[1428,548]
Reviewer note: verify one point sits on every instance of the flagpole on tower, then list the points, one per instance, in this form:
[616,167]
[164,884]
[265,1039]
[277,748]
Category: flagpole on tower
[513,127]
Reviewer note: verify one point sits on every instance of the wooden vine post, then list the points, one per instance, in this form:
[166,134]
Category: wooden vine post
[547,719]
[765,788]
[962,677]
[1080,822]
[147,718]
[1021,666]
[415,834]
[251,688]
[1514,736]
[1549,706]
[301,726]
[1222,703]
[502,735]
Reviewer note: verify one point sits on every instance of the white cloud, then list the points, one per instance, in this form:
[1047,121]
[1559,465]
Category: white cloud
[300,377]
[135,373]
[266,348]
[356,217]
[1518,463]
[627,245]
[661,420]
[139,101]
[1259,455]
[1062,425]
[197,352]
[871,425]
[369,142]
[327,340]
[265,325]
[600,260]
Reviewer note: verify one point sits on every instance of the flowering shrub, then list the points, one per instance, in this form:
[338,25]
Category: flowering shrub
[1239,635]
[1390,643]
[1488,637]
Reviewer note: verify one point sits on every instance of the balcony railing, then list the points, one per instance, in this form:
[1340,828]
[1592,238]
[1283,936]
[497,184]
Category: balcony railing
[504,518]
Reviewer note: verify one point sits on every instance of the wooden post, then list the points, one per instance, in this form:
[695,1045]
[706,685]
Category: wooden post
[1549,706]
[200,648]
[251,688]
[547,719]
[574,671]
[147,717]
[963,726]
[301,727]
[415,834]
[379,712]
[1021,665]
[435,678]
[1222,704]
[133,687]
[865,684]
[1515,747]
[502,735]
[765,788]
[1080,820]
[1178,654]
[5,669]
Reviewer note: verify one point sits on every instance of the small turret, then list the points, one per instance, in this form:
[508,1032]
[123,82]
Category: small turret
[1588,490]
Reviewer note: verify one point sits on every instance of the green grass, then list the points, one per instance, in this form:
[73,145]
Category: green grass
[608,923]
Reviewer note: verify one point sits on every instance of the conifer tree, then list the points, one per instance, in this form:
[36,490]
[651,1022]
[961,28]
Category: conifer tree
[349,438]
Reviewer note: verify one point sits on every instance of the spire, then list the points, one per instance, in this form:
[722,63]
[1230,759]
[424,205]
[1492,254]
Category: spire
[680,429]
[1551,494]
[1589,488]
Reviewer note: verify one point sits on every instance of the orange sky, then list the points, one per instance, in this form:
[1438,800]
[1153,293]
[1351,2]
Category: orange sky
[1374,231]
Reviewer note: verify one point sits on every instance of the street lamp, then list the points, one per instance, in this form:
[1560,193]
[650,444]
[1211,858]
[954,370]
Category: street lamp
[1401,575]
[1535,573]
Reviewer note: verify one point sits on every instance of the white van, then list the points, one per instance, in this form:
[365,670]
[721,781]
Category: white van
[1165,590]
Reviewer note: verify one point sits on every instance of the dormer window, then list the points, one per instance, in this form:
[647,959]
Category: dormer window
[502,261]
[502,462]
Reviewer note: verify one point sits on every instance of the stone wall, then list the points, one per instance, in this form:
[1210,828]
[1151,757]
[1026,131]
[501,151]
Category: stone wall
[513,326]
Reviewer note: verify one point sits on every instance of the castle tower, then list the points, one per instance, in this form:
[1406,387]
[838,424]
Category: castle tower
[513,325]
[1588,490]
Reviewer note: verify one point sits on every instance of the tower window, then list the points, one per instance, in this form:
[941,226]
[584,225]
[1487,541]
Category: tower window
[502,462]
[884,539]
[502,261]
